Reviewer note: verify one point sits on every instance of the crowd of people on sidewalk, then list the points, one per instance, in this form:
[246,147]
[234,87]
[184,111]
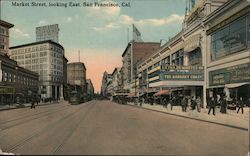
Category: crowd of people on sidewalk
[188,103]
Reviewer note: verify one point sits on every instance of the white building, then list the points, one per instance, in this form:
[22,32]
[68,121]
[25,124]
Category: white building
[47,32]
[45,58]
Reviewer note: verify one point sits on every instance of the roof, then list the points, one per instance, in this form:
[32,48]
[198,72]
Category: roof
[77,63]
[6,24]
[35,43]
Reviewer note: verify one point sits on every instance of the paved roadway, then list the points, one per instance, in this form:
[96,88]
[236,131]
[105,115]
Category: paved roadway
[106,128]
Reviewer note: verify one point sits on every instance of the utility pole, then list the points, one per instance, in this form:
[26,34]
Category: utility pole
[78,55]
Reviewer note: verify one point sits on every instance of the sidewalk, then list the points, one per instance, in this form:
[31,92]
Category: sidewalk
[231,119]
[16,106]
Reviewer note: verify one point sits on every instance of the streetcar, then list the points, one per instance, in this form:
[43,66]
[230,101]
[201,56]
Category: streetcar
[75,96]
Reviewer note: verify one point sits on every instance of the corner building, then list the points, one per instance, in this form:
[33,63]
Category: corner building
[46,59]
[228,51]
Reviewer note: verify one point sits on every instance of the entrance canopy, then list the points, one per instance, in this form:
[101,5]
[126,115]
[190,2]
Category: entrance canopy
[235,85]
[163,92]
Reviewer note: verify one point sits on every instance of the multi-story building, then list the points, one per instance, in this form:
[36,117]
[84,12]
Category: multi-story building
[117,81]
[133,53]
[76,73]
[15,81]
[46,59]
[106,79]
[4,36]
[228,50]
[90,89]
[47,32]
[179,64]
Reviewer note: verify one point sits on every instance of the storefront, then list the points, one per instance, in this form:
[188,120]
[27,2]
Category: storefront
[232,82]
[6,95]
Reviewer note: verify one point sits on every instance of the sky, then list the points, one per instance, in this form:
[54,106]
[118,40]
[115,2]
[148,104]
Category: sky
[99,33]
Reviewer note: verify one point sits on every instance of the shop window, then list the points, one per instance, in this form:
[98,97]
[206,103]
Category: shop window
[229,39]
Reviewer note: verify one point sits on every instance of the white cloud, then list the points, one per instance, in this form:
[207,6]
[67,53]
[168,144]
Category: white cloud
[18,33]
[125,19]
[107,27]
[43,22]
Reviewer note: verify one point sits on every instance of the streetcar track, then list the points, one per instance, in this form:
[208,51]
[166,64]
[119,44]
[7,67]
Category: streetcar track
[59,148]
[29,115]
[30,119]
[39,132]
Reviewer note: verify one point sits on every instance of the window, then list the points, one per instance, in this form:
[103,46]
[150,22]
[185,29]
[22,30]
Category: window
[195,57]
[177,57]
[157,64]
[166,60]
[229,39]
[27,55]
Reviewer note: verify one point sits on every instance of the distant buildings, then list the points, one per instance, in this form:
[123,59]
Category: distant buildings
[106,80]
[45,58]
[47,32]
[16,83]
[90,89]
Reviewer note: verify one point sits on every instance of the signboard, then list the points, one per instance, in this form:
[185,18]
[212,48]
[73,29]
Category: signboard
[182,73]
[7,90]
[234,74]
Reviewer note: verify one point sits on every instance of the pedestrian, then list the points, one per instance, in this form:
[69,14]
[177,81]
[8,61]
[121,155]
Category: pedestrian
[240,105]
[212,105]
[193,103]
[32,104]
[198,101]
[182,103]
[223,105]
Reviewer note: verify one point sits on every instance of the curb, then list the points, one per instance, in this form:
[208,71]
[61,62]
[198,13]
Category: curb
[217,123]
[45,104]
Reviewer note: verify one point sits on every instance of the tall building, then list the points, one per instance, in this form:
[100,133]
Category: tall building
[45,58]
[15,81]
[4,36]
[76,75]
[47,32]
[133,53]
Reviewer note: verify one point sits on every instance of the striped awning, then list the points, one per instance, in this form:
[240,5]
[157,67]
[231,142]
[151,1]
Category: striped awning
[163,92]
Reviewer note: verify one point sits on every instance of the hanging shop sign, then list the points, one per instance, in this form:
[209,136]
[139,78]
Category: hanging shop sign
[235,74]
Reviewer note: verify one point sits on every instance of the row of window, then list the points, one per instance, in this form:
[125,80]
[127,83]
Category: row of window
[13,78]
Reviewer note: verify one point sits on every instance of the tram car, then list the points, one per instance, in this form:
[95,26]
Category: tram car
[75,96]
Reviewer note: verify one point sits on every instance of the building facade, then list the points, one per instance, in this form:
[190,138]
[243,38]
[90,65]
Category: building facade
[46,59]
[90,89]
[4,36]
[179,65]
[47,32]
[65,76]
[228,51]
[133,53]
[106,81]
[76,75]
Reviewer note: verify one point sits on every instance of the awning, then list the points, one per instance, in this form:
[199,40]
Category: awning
[131,95]
[163,92]
[234,85]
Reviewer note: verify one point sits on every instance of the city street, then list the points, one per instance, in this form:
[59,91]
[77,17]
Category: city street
[107,128]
